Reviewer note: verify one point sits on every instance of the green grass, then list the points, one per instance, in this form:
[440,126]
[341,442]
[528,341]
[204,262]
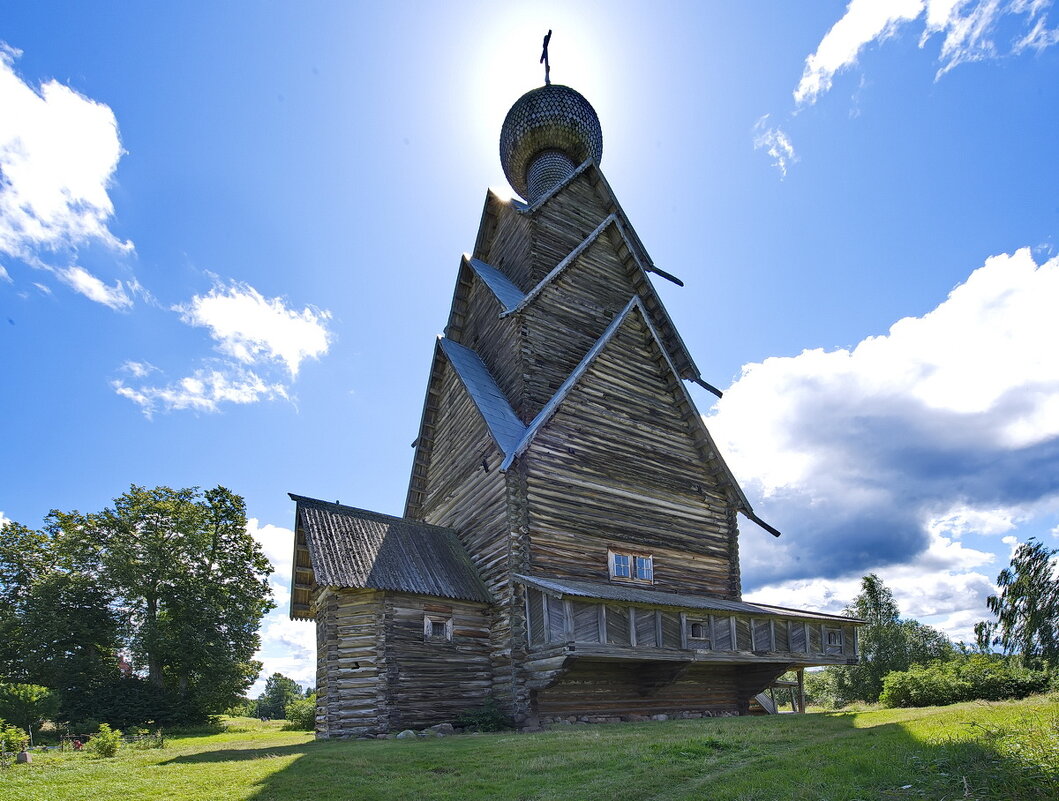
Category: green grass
[968,751]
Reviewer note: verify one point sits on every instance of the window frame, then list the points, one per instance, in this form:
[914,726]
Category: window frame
[429,620]
[631,558]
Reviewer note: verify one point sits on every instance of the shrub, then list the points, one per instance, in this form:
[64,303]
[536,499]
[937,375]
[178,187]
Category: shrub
[966,678]
[301,714]
[106,742]
[12,738]
[489,717]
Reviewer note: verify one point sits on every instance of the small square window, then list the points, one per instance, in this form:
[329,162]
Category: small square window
[834,638]
[621,565]
[437,628]
[698,631]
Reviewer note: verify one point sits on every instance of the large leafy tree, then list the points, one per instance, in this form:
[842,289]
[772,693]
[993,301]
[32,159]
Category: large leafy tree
[170,576]
[887,643]
[57,625]
[1027,606]
[193,584]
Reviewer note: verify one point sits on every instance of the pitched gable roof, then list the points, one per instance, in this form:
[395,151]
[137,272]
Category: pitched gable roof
[492,404]
[708,447]
[360,549]
[499,284]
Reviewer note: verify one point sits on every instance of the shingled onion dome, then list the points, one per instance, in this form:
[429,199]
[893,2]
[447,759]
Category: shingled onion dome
[546,135]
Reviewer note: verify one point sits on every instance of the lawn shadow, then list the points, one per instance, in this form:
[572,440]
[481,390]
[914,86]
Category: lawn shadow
[790,757]
[240,754]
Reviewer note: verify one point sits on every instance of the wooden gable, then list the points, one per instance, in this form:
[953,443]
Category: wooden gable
[623,460]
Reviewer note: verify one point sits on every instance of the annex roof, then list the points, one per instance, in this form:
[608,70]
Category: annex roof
[356,548]
[637,595]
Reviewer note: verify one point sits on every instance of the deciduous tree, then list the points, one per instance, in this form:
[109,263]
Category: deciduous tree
[1027,607]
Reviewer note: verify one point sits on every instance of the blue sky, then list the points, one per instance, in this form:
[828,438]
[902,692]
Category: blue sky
[229,235]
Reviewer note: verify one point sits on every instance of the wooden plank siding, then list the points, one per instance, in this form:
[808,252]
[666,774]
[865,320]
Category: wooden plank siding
[429,681]
[562,223]
[617,466]
[571,312]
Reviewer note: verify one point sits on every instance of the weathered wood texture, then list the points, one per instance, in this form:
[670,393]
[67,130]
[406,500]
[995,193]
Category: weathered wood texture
[618,466]
[434,681]
[699,634]
[350,683]
[378,671]
[596,689]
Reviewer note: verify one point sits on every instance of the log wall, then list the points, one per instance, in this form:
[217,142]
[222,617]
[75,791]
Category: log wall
[617,466]
[350,678]
[432,681]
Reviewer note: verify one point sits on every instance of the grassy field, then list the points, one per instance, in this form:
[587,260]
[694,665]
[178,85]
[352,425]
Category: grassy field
[968,751]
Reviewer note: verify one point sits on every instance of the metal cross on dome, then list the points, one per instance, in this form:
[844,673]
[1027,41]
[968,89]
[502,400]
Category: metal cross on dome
[544,60]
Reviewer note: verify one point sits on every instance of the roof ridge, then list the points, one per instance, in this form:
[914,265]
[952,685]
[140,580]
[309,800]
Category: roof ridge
[560,268]
[365,513]
[556,399]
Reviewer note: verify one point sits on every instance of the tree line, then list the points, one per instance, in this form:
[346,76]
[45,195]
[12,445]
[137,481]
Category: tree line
[906,663]
[147,611]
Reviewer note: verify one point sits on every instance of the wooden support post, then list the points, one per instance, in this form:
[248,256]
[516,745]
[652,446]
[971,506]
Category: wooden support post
[632,626]
[801,690]
[658,629]
[713,632]
[568,613]
[735,642]
[684,631]
[603,624]
[546,617]
[772,635]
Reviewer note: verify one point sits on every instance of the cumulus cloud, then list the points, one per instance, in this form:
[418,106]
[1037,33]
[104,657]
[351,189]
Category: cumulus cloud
[205,390]
[776,143]
[892,451]
[287,646]
[252,328]
[58,153]
[970,30]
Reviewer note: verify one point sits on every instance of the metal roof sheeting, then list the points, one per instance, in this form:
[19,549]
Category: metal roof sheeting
[637,595]
[503,423]
[499,284]
[355,548]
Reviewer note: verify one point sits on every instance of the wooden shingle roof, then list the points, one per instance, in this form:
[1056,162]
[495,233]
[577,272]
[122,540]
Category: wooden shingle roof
[356,548]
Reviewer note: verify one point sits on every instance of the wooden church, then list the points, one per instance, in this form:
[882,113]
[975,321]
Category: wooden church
[569,546]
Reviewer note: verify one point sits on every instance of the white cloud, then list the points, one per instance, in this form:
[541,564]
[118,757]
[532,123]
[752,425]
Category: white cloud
[252,328]
[5,276]
[139,369]
[969,30]
[776,143]
[4,520]
[287,646]
[58,154]
[865,21]
[82,281]
[889,452]
[277,543]
[204,391]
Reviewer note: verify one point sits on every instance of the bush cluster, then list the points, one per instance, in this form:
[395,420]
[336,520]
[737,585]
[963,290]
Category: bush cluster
[301,714]
[488,717]
[12,738]
[966,678]
[106,742]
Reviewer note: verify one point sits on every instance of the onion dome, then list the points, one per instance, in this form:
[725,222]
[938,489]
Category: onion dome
[546,135]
